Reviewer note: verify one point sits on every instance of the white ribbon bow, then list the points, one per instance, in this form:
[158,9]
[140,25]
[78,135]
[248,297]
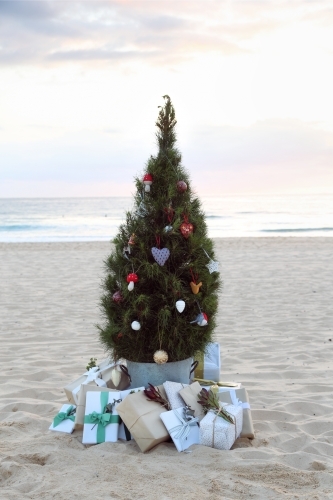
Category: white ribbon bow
[236,402]
[183,429]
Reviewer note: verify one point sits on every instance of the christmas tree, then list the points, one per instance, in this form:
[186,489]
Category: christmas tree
[161,288]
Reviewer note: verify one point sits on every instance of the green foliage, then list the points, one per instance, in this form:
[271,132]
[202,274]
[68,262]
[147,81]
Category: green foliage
[91,364]
[152,302]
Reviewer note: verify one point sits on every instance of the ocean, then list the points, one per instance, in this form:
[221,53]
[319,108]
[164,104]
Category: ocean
[98,219]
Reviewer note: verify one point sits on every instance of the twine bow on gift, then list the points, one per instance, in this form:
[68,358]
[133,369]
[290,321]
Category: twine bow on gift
[69,414]
[102,419]
[183,429]
[234,424]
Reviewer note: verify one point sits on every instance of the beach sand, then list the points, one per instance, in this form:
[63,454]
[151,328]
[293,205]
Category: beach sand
[274,326]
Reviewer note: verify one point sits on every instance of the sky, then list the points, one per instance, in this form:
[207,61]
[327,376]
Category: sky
[81,82]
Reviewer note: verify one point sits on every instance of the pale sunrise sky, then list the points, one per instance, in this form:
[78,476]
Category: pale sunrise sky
[80,82]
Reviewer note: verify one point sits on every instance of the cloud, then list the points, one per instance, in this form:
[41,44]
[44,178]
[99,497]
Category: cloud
[39,32]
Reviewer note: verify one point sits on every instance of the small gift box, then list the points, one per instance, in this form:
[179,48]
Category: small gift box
[182,427]
[64,420]
[142,418]
[217,432]
[80,409]
[239,397]
[209,363]
[101,419]
[190,395]
[172,391]
[123,432]
[97,376]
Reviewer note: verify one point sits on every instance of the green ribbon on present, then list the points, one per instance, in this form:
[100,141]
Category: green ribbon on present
[102,419]
[64,415]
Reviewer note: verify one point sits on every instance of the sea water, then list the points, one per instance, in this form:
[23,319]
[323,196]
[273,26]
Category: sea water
[98,219]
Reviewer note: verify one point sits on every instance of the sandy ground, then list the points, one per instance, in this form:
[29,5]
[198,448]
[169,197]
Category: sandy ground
[275,326]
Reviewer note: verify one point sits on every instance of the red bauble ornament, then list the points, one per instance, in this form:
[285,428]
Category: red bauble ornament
[186,228]
[117,297]
[147,180]
[181,186]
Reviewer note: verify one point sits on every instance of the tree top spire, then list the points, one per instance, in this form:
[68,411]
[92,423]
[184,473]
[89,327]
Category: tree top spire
[166,122]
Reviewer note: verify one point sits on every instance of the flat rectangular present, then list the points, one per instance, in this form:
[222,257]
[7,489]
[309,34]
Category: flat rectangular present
[209,366]
[101,419]
[239,397]
[123,432]
[216,432]
[142,418]
[80,409]
[184,432]
[64,420]
[190,395]
[98,376]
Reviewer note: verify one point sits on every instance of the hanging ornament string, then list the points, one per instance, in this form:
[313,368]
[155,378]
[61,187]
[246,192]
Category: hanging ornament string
[158,241]
[194,276]
[169,213]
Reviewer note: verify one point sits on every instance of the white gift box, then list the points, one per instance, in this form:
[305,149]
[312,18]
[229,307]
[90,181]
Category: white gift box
[95,432]
[123,432]
[67,424]
[209,366]
[217,432]
[183,432]
[172,391]
[93,376]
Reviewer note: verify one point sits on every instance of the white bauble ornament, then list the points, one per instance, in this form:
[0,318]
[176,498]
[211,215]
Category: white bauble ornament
[135,325]
[115,377]
[168,229]
[180,305]
[160,357]
[130,286]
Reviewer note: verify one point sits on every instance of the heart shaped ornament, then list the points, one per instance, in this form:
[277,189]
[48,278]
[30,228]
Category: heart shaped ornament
[186,228]
[180,306]
[161,255]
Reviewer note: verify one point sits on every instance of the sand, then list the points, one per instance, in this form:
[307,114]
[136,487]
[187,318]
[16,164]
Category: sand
[275,324]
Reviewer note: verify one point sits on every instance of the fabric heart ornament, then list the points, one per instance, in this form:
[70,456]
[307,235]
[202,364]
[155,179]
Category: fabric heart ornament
[161,255]
[186,228]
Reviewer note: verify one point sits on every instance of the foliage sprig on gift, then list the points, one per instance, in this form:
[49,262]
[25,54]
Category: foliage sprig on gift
[151,302]
[91,364]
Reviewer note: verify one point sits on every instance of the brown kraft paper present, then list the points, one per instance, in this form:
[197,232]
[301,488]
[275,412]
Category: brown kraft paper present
[239,397]
[142,418]
[190,396]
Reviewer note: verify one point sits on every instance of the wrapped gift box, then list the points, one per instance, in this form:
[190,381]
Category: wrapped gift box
[64,420]
[123,432]
[183,431]
[98,376]
[226,388]
[80,409]
[239,397]
[209,363]
[217,433]
[99,425]
[190,395]
[172,391]
[142,418]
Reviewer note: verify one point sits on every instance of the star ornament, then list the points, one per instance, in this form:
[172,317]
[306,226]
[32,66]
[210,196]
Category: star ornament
[213,266]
